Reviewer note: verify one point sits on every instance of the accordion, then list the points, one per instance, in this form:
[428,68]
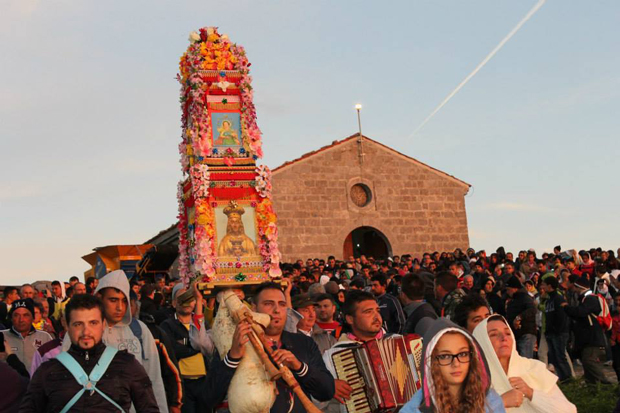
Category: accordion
[384,374]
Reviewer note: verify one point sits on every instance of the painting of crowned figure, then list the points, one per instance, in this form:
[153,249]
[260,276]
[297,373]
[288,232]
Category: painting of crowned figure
[236,232]
[226,127]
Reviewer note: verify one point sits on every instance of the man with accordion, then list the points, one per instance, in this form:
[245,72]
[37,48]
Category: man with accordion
[374,371]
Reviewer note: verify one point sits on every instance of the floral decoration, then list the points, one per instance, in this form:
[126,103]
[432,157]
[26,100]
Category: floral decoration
[208,50]
[200,180]
[268,233]
[204,234]
[214,71]
[184,263]
[263,181]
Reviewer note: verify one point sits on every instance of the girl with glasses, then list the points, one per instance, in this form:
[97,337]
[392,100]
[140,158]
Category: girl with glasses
[455,378]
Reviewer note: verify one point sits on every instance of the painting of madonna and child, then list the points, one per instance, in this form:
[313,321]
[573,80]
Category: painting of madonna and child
[226,127]
[236,233]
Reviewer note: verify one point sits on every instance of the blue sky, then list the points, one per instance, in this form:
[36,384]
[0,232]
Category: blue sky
[90,121]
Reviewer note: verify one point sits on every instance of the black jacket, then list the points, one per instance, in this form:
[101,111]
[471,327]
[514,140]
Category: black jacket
[588,332]
[556,321]
[14,378]
[416,313]
[148,306]
[497,303]
[125,381]
[392,313]
[170,374]
[179,335]
[522,305]
[316,382]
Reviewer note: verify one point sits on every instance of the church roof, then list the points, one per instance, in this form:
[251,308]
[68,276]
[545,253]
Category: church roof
[366,138]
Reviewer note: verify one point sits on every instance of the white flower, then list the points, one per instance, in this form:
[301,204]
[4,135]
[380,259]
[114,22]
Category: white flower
[210,31]
[224,37]
[194,37]
[223,85]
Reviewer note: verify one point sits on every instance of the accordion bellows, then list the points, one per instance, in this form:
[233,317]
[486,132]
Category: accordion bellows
[384,374]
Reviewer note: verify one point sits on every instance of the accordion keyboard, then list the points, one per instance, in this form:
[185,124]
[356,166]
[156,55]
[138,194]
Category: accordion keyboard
[347,370]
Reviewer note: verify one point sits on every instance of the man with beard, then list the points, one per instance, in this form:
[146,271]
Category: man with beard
[362,314]
[90,376]
[113,291]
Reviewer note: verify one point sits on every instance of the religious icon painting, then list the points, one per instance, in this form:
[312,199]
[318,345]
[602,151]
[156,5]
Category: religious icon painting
[235,227]
[226,131]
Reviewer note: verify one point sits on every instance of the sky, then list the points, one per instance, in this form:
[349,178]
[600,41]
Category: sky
[90,118]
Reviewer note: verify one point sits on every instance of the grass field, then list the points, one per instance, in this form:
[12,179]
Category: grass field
[589,398]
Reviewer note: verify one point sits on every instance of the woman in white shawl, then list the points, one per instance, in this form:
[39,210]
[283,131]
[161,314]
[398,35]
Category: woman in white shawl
[525,385]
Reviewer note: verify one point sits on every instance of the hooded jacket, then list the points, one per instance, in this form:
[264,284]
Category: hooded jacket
[59,303]
[424,400]
[121,337]
[547,396]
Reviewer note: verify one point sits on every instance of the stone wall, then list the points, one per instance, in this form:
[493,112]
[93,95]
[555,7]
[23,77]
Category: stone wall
[417,208]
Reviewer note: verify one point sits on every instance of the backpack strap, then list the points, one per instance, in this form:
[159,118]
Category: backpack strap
[136,329]
[88,383]
[103,364]
[74,367]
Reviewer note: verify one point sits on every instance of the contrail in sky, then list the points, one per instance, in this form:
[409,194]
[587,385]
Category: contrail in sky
[481,64]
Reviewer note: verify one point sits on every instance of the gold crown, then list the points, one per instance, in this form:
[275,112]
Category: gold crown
[234,208]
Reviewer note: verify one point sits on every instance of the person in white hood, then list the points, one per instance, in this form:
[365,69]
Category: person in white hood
[525,385]
[113,289]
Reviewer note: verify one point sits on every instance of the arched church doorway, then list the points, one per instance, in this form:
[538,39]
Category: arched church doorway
[367,241]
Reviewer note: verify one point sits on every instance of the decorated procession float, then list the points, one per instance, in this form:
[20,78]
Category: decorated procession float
[228,232]
[227,227]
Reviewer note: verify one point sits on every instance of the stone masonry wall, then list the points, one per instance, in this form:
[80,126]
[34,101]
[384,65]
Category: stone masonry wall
[416,208]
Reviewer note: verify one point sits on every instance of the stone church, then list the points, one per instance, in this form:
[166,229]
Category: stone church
[358,196]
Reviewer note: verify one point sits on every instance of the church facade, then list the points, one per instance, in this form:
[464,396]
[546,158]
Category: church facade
[358,196]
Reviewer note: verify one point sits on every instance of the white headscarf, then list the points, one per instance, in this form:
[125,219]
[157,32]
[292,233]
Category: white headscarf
[533,372]
[63,295]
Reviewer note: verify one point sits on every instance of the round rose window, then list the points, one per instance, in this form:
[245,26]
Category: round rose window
[360,195]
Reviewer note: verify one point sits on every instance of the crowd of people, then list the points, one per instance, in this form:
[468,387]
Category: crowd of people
[499,331]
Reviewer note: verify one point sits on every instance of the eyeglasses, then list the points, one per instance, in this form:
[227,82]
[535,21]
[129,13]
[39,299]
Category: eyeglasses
[447,359]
